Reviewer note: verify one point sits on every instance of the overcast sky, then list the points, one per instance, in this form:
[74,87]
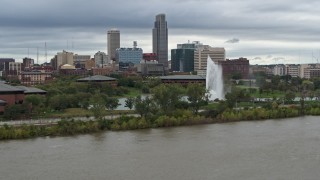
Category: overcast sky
[266,32]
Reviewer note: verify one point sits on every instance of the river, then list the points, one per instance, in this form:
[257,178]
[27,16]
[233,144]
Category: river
[287,149]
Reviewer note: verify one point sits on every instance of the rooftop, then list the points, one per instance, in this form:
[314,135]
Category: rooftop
[183,77]
[26,90]
[31,90]
[7,88]
[96,78]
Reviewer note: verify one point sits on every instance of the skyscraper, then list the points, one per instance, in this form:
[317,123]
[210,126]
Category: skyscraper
[113,43]
[160,39]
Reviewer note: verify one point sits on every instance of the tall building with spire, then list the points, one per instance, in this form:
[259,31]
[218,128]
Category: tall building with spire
[160,39]
[113,43]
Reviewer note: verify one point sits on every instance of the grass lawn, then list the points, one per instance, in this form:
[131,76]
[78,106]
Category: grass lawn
[212,105]
[133,92]
[71,112]
[269,94]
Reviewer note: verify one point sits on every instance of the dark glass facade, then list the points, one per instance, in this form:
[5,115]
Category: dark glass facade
[182,58]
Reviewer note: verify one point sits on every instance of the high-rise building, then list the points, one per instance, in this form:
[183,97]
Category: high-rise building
[27,63]
[293,70]
[113,43]
[182,58]
[160,39]
[14,68]
[64,57]
[201,55]
[129,55]
[101,59]
[279,69]
[4,63]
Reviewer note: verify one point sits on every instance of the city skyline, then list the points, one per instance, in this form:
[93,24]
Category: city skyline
[264,32]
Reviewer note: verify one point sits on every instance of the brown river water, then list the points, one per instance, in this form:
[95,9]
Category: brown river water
[287,149]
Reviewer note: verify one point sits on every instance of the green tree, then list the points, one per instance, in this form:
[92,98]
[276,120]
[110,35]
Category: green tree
[16,111]
[167,97]
[111,104]
[197,96]
[144,107]
[35,100]
[275,80]
[236,95]
[317,94]
[97,106]
[83,99]
[129,102]
[36,104]
[289,96]
[236,75]
[58,102]
[316,82]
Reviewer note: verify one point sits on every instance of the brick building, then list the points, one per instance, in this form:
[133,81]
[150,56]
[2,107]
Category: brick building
[232,66]
[35,77]
[10,95]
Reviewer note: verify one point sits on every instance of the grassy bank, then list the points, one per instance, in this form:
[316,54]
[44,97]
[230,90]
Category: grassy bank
[180,118]
[80,112]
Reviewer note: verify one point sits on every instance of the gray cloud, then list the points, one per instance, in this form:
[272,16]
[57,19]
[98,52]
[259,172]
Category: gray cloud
[280,29]
[233,40]
[269,57]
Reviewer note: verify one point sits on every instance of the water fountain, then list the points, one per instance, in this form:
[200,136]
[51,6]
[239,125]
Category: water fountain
[214,81]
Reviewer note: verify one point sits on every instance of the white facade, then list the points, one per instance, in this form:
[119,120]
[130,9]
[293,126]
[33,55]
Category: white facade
[201,55]
[293,70]
[101,59]
[305,71]
[279,69]
[15,67]
[64,57]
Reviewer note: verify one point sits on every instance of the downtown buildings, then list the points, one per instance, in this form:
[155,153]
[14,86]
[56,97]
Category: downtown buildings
[192,57]
[186,58]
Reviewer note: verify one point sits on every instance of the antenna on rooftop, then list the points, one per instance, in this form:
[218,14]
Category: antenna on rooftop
[72,44]
[313,57]
[37,55]
[45,47]
[135,44]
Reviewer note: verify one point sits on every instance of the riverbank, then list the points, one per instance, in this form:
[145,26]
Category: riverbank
[71,126]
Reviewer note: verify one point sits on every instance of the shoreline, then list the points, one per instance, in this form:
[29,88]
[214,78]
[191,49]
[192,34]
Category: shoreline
[71,126]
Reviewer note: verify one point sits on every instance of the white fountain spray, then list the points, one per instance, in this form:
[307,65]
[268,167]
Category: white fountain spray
[214,81]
